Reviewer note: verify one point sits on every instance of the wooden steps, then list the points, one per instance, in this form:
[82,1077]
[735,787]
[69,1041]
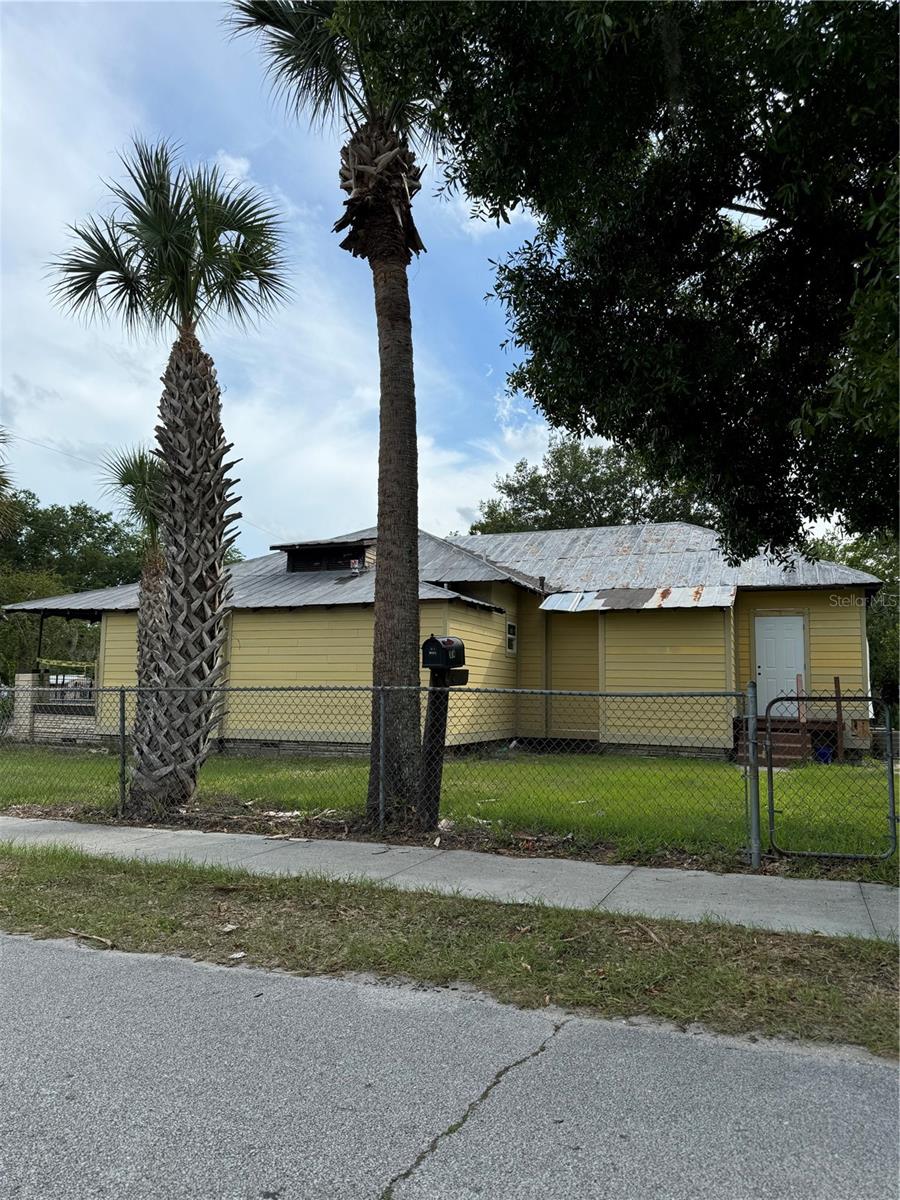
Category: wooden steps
[791,747]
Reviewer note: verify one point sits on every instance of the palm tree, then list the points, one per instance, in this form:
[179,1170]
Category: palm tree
[135,477]
[181,247]
[6,488]
[316,67]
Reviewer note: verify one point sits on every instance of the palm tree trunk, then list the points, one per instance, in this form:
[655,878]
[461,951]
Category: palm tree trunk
[396,633]
[151,619]
[195,526]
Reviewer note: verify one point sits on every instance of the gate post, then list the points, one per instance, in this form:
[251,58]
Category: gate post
[381,757]
[753,776]
[123,770]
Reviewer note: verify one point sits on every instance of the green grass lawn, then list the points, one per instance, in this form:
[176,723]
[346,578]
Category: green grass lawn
[731,979]
[636,806]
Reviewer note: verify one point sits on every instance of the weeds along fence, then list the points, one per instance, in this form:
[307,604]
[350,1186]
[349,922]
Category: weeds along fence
[580,770]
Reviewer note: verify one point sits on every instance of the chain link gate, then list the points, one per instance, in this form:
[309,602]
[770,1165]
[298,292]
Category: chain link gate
[830,773]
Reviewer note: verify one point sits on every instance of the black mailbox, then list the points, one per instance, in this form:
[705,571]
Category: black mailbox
[443,653]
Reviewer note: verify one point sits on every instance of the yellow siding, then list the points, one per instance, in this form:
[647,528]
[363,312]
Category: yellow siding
[116,667]
[291,648]
[270,648]
[574,666]
[675,650]
[118,650]
[484,633]
[835,626]
[671,650]
[478,717]
[533,626]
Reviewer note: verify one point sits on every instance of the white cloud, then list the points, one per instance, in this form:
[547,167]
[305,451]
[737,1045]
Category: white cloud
[462,217]
[234,168]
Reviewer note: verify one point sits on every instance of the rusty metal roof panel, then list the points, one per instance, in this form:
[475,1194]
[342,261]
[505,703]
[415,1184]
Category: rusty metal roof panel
[628,599]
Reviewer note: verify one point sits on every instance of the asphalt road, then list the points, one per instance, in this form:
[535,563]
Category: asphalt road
[127,1076]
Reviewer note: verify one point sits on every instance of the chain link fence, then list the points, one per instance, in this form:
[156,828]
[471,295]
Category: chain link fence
[830,777]
[594,774]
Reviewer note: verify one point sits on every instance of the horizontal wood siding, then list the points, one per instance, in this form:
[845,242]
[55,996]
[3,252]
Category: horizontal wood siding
[835,634]
[474,716]
[532,715]
[574,666]
[118,661]
[675,650]
[116,668]
[330,647]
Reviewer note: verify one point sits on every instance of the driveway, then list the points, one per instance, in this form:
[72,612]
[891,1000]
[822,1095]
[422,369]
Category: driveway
[127,1076]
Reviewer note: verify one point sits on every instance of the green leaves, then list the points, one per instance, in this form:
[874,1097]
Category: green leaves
[713,281]
[579,486]
[183,246]
[323,61]
[134,475]
[310,62]
[7,510]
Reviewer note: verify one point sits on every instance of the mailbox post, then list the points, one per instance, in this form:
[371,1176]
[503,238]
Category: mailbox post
[444,657]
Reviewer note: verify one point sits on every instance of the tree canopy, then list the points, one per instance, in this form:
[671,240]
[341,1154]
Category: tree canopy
[579,486]
[878,556]
[713,277]
[80,545]
[49,550]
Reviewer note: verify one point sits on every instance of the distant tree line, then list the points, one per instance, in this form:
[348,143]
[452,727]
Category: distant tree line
[50,550]
[580,486]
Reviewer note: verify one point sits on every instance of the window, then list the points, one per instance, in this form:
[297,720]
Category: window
[511,637]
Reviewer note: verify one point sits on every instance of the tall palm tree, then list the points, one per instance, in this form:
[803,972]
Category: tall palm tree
[317,68]
[135,477]
[181,247]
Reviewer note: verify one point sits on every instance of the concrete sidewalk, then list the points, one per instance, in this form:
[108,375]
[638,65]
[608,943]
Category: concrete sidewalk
[866,910]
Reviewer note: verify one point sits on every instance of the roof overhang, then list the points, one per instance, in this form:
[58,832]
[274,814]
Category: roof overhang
[326,542]
[636,599]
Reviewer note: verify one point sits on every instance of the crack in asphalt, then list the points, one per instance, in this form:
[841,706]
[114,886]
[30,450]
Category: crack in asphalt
[455,1126]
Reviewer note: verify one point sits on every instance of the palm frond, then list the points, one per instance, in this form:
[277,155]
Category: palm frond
[134,476]
[181,246]
[102,273]
[240,269]
[156,214]
[312,65]
[6,502]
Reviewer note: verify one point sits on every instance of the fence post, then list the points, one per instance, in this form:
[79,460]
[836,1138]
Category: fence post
[753,776]
[122,759]
[889,759]
[381,758]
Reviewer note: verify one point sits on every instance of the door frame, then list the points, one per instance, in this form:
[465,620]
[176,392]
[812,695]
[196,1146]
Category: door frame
[779,612]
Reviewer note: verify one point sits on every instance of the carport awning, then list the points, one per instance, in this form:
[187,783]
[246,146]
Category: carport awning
[623,599]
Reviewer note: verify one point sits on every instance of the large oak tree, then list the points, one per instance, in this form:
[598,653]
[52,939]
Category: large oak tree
[713,279]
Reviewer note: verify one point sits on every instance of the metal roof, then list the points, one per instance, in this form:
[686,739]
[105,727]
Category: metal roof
[621,599]
[263,582]
[440,559]
[646,556]
[642,558]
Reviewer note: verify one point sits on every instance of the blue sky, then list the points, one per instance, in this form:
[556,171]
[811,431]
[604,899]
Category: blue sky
[300,394]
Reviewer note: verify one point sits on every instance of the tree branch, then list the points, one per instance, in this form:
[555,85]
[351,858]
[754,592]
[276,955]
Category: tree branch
[749,209]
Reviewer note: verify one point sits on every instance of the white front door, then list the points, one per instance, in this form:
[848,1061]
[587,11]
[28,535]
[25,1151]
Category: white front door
[779,660]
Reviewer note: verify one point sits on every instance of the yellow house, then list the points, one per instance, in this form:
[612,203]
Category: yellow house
[600,613]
